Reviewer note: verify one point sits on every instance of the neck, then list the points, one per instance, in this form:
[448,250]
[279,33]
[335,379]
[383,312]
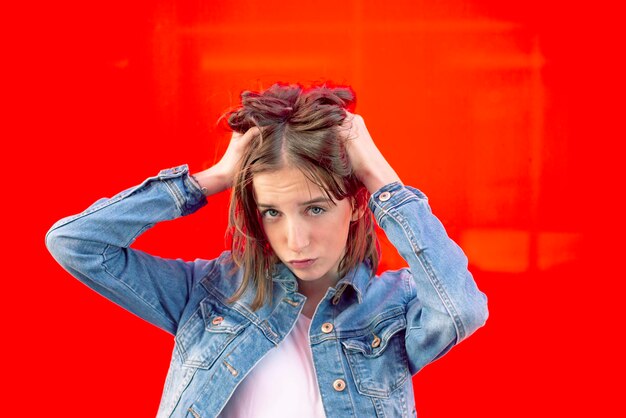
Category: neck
[316,288]
[314,292]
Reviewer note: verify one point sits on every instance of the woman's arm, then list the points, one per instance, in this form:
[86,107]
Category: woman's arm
[94,245]
[445,304]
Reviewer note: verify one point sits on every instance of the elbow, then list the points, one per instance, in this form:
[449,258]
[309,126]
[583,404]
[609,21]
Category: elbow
[66,248]
[476,315]
[58,245]
[483,310]
[53,243]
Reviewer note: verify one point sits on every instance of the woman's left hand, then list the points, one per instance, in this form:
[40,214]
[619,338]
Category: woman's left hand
[368,163]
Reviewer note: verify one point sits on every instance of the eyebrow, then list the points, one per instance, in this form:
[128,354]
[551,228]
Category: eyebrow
[320,199]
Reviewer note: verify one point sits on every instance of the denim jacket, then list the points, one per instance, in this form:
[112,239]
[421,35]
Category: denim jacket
[368,335]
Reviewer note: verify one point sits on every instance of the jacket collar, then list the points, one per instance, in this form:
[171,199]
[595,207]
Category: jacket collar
[284,277]
[352,286]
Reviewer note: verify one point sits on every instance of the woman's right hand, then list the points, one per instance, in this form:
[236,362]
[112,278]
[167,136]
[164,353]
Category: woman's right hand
[220,176]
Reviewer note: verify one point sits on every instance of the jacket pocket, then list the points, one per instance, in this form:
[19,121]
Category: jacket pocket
[377,356]
[208,332]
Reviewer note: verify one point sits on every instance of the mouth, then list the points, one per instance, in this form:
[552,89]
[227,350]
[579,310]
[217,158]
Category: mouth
[302,263]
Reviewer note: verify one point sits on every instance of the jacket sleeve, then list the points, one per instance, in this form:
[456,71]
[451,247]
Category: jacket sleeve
[93,246]
[444,305]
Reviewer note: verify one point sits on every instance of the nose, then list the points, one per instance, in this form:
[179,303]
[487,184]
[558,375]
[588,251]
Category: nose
[297,236]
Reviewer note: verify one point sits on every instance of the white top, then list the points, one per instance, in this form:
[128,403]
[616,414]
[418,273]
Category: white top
[282,384]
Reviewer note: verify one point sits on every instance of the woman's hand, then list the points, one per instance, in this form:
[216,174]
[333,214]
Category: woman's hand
[367,161]
[220,176]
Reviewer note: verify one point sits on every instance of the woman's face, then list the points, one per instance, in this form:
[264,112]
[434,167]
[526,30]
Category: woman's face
[307,231]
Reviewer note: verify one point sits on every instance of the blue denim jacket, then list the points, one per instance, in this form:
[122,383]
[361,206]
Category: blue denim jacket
[368,335]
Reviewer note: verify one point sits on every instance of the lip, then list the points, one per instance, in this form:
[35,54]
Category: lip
[302,263]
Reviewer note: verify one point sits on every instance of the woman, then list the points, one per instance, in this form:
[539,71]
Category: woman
[291,321]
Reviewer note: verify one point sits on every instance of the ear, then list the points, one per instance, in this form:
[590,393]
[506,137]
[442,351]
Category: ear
[357,211]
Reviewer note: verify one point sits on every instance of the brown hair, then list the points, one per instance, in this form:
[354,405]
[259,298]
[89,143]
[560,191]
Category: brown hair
[298,127]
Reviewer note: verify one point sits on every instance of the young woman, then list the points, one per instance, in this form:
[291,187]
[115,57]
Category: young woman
[292,321]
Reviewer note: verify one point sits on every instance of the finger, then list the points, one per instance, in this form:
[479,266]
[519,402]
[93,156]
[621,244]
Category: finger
[244,137]
[236,135]
[254,131]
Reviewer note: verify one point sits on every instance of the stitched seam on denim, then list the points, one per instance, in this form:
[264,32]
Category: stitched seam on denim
[192,184]
[250,316]
[106,270]
[380,411]
[221,306]
[236,306]
[437,283]
[398,311]
[320,337]
[427,267]
[377,407]
[218,297]
[412,295]
[208,388]
[399,197]
[187,375]
[180,330]
[102,205]
[391,331]
[205,363]
[340,356]
[379,393]
[403,405]
[198,282]
[176,194]
[269,333]
[407,278]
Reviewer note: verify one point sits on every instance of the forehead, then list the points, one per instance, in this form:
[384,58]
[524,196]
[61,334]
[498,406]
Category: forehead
[286,185]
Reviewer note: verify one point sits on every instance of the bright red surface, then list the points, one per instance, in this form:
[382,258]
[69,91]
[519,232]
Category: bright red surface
[508,116]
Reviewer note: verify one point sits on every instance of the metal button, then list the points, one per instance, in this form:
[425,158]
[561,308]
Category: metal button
[384,196]
[339,385]
[327,327]
[217,320]
[376,342]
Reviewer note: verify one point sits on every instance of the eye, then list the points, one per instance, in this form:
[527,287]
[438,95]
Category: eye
[316,210]
[270,213]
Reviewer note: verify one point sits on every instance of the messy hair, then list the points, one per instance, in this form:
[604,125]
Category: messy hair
[298,127]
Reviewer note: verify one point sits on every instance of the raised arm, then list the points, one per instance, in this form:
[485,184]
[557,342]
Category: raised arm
[446,305]
[94,245]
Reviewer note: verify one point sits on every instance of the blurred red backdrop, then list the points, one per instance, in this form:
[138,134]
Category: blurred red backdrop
[507,115]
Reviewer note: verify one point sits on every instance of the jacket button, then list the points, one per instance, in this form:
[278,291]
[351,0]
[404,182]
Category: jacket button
[217,320]
[339,385]
[375,342]
[327,327]
[384,196]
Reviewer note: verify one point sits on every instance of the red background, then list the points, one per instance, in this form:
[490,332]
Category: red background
[510,117]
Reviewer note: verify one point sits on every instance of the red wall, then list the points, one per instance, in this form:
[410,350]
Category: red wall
[508,117]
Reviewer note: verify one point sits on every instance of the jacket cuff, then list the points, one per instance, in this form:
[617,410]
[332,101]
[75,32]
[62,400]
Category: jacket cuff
[186,192]
[391,196]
